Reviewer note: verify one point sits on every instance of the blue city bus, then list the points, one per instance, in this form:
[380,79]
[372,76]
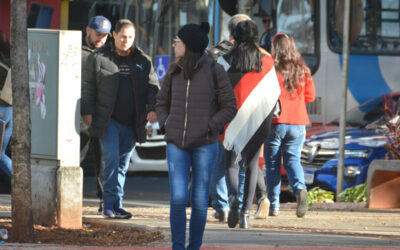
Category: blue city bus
[316,25]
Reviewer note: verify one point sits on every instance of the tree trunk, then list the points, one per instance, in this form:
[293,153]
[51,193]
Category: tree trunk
[21,199]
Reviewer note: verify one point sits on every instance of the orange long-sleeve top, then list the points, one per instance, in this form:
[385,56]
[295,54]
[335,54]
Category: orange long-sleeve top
[293,107]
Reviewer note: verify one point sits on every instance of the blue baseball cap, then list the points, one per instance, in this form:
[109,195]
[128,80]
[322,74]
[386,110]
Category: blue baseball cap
[100,24]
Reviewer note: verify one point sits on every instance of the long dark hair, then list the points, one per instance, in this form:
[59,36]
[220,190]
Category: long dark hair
[288,61]
[187,63]
[246,55]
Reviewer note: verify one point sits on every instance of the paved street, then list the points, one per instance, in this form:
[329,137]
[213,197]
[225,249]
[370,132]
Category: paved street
[342,225]
[320,228]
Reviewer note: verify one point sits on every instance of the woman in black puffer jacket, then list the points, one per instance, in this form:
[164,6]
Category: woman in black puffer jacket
[193,107]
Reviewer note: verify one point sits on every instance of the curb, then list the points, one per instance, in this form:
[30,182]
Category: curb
[114,224]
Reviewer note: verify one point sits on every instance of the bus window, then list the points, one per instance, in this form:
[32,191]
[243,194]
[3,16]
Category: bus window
[153,35]
[143,15]
[175,16]
[298,18]
[375,27]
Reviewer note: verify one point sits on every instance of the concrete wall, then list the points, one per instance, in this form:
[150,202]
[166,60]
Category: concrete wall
[44,191]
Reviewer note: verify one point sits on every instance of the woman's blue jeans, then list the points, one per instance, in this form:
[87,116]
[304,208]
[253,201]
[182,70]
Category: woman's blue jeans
[285,140]
[6,114]
[218,187]
[201,160]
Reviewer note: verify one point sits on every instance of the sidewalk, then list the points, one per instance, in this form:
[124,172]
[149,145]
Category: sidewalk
[333,218]
[344,223]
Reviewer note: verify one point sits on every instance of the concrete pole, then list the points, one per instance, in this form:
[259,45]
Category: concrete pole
[346,35]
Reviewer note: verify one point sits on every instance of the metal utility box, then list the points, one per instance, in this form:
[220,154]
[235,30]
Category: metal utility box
[54,58]
[55,83]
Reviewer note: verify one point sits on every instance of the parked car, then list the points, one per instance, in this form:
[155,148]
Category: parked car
[151,155]
[365,140]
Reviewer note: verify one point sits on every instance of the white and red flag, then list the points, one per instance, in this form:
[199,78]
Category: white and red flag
[256,94]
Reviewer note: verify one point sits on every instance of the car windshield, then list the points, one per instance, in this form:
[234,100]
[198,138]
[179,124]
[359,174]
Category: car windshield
[367,113]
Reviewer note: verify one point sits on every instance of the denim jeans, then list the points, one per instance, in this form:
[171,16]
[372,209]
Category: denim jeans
[218,187]
[285,140]
[118,143]
[6,114]
[202,160]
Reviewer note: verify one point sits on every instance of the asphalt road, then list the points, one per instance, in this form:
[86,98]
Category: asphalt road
[151,188]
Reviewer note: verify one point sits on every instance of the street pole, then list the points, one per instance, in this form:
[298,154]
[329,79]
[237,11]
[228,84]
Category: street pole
[342,142]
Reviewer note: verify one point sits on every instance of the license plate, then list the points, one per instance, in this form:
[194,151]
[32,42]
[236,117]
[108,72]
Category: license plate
[308,177]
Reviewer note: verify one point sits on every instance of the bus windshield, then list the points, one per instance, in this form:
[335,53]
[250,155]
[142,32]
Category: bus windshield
[375,26]
[298,19]
[175,16]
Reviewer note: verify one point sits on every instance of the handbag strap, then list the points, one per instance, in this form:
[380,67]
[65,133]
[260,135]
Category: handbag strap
[4,66]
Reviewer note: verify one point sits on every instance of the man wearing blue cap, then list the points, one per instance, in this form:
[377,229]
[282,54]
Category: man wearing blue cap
[97,33]
[96,36]
[119,88]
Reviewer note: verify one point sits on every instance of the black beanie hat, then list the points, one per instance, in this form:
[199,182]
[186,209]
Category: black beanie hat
[246,31]
[195,36]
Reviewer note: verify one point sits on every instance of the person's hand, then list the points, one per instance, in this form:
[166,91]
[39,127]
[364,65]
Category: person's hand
[152,116]
[87,119]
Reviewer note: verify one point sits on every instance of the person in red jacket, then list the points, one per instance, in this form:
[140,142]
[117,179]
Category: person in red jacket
[287,133]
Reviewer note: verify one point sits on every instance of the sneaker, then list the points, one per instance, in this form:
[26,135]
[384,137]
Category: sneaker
[233,215]
[301,199]
[108,211]
[121,213]
[222,216]
[273,213]
[262,208]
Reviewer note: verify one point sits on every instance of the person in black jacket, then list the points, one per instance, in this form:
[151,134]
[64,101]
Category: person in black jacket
[119,89]
[192,114]
[97,32]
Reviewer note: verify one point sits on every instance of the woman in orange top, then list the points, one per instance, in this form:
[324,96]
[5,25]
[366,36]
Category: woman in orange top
[287,132]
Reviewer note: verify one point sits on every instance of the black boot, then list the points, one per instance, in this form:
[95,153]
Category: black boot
[244,219]
[233,216]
